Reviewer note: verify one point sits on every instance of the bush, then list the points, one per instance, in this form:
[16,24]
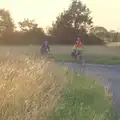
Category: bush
[21,38]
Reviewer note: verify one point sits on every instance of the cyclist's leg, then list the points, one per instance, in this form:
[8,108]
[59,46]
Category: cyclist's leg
[80,54]
[77,54]
[73,54]
[46,51]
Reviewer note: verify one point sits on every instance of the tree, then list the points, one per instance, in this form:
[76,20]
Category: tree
[72,22]
[100,32]
[6,22]
[27,25]
[98,29]
[31,32]
[114,35]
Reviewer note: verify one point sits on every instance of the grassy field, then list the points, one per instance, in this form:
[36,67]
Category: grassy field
[93,59]
[61,49]
[35,89]
[88,50]
[93,54]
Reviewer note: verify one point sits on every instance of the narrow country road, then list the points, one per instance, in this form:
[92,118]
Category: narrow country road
[109,77]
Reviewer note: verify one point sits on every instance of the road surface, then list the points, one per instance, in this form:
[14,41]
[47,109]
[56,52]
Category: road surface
[109,77]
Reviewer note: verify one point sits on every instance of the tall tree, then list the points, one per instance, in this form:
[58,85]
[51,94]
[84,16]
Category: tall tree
[72,22]
[27,25]
[32,33]
[6,22]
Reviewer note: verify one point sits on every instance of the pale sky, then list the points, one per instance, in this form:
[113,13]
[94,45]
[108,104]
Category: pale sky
[104,12]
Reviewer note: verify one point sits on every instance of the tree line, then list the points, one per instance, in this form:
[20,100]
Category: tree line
[70,24]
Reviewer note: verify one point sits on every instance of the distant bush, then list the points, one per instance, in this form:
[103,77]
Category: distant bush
[87,40]
[22,38]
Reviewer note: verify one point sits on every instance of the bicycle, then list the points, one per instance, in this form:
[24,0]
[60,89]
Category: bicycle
[81,60]
[44,51]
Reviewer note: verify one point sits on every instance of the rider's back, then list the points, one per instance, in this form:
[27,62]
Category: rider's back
[45,46]
[46,43]
[79,45]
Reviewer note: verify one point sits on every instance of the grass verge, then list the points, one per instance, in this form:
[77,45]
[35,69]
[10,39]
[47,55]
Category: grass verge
[83,99]
[94,59]
[37,90]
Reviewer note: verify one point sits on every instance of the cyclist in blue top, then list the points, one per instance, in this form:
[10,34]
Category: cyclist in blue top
[45,47]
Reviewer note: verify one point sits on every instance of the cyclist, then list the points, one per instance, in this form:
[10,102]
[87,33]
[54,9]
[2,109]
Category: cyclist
[77,48]
[45,47]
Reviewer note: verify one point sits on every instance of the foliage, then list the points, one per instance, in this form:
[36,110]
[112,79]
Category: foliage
[114,36]
[72,22]
[80,101]
[105,35]
[27,25]
[6,22]
[100,32]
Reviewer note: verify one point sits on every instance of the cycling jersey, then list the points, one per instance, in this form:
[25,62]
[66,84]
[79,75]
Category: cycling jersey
[79,45]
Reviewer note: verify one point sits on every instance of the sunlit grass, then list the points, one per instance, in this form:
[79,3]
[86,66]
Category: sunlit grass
[29,88]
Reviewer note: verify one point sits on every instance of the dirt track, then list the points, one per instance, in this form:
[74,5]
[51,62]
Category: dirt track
[109,77]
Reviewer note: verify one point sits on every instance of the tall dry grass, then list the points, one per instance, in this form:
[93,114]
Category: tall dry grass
[29,88]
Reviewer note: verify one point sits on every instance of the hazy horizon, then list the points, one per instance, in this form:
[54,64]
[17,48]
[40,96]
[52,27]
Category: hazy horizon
[104,13]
